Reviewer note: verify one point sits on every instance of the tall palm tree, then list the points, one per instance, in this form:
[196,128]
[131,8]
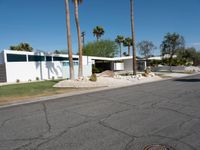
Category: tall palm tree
[98,32]
[80,51]
[133,37]
[83,38]
[128,43]
[69,41]
[119,40]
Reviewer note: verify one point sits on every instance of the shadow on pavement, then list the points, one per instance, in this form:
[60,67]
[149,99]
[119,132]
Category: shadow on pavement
[187,80]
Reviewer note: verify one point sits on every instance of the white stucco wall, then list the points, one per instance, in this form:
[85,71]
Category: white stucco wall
[25,71]
[128,64]
[118,66]
[87,68]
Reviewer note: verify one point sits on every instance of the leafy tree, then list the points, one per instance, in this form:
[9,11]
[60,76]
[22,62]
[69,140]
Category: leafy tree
[125,54]
[60,52]
[98,31]
[146,48]
[80,68]
[22,47]
[128,43]
[133,36]
[119,40]
[170,44]
[197,59]
[188,55]
[69,41]
[103,48]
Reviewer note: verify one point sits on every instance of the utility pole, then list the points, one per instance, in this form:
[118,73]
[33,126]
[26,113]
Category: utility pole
[133,38]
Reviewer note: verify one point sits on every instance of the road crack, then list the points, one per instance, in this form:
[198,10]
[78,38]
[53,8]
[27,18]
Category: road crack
[46,118]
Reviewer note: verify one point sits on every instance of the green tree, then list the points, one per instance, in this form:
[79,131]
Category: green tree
[60,52]
[80,68]
[128,43]
[188,55]
[170,44]
[103,48]
[98,31]
[69,41]
[22,47]
[119,40]
[133,36]
[146,48]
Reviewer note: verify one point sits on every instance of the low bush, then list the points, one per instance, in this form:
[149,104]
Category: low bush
[93,77]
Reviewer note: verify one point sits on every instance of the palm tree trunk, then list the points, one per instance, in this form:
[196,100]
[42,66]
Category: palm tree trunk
[120,46]
[133,38]
[170,63]
[128,50]
[80,67]
[69,41]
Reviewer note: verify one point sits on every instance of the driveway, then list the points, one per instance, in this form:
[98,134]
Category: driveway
[129,118]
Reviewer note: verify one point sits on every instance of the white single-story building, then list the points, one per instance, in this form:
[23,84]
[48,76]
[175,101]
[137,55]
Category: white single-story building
[29,66]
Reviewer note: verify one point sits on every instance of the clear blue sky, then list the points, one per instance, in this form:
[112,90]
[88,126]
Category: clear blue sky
[42,22]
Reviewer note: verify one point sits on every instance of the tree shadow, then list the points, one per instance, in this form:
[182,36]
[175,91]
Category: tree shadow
[187,80]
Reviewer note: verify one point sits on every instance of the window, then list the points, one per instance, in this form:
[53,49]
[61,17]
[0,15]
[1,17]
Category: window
[75,58]
[75,63]
[48,58]
[65,63]
[60,58]
[16,58]
[35,58]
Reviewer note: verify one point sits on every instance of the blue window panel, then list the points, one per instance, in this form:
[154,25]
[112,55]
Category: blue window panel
[35,58]
[65,63]
[48,58]
[56,58]
[16,58]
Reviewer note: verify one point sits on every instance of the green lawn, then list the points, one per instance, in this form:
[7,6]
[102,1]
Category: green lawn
[9,93]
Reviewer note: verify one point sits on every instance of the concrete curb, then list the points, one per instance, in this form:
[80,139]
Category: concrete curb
[46,98]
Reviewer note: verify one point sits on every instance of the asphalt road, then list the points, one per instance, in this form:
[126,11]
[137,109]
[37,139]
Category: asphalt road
[166,112]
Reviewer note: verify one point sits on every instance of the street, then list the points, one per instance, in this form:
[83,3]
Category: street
[128,118]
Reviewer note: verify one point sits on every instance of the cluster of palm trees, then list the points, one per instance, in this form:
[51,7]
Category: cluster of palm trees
[98,32]
[127,42]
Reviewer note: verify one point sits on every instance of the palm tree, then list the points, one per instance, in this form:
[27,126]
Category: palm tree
[69,41]
[98,32]
[128,43]
[133,37]
[80,68]
[83,38]
[119,40]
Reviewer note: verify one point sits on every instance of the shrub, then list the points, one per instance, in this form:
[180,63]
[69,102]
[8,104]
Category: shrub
[37,78]
[95,70]
[93,77]
[17,80]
